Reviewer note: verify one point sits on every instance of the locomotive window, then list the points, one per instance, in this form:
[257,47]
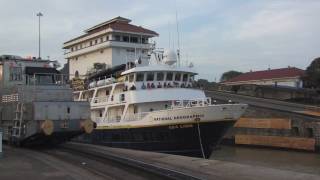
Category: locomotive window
[15,74]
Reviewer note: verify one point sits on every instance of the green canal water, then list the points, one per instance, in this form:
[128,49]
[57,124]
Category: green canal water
[306,162]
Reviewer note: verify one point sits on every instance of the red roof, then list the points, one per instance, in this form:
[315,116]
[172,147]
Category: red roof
[116,24]
[268,74]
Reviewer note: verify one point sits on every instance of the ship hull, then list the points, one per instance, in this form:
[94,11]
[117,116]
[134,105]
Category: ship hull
[191,139]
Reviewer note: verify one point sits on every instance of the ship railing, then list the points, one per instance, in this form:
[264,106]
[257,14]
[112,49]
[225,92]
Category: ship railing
[100,99]
[82,99]
[136,116]
[10,98]
[191,103]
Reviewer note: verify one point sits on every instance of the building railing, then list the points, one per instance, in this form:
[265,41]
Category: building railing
[93,44]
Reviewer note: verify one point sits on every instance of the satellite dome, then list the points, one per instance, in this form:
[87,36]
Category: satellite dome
[169,57]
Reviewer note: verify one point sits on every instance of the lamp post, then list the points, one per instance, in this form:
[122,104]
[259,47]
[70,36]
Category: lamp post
[39,15]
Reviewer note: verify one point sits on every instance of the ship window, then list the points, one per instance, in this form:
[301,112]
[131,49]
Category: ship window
[107,38]
[15,73]
[96,41]
[135,109]
[126,78]
[169,76]
[140,77]
[191,78]
[160,76]
[134,39]
[77,74]
[101,39]
[150,76]
[125,38]
[90,43]
[185,77]
[131,77]
[177,77]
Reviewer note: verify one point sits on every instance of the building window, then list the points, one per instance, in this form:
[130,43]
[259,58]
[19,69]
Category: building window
[107,38]
[160,76]
[309,132]
[295,131]
[125,38]
[150,76]
[71,49]
[169,76]
[134,39]
[117,37]
[140,77]
[15,74]
[177,77]
[90,43]
[96,41]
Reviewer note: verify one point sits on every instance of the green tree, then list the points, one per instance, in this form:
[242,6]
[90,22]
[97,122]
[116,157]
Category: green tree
[229,75]
[312,76]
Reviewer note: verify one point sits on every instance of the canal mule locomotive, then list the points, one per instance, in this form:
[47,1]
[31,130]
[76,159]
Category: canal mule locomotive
[36,105]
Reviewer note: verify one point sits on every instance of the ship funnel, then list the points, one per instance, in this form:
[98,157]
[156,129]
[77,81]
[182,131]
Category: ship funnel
[169,57]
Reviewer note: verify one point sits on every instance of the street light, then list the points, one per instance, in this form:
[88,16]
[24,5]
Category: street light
[39,15]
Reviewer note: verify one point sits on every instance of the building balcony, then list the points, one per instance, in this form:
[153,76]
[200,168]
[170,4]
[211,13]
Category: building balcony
[105,44]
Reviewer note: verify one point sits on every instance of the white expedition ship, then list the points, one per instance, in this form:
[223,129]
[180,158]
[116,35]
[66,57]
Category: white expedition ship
[156,107]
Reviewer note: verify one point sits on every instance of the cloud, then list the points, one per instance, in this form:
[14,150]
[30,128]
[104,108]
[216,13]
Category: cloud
[217,35]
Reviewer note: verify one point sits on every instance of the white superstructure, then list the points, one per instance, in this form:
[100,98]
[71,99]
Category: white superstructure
[148,95]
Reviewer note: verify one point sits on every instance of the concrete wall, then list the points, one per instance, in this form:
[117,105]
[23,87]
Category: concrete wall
[84,63]
[277,141]
[266,127]
[124,55]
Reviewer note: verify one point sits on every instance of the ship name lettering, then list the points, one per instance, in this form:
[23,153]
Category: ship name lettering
[178,117]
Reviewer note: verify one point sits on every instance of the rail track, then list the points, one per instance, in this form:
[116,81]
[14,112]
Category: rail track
[109,165]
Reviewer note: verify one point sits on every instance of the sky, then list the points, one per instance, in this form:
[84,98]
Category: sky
[215,35]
